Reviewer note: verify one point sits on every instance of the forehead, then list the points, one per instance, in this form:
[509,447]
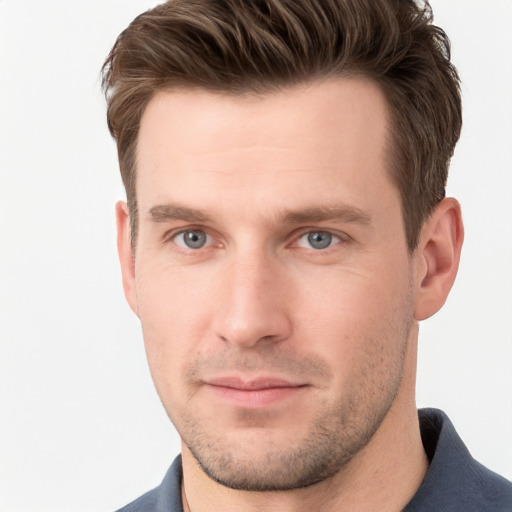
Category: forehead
[321,137]
[352,107]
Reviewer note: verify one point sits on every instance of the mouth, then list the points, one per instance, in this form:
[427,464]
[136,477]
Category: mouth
[254,393]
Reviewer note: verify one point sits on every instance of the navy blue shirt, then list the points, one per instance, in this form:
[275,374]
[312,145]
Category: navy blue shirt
[454,482]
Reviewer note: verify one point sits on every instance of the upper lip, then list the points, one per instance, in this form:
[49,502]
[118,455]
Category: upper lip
[259,383]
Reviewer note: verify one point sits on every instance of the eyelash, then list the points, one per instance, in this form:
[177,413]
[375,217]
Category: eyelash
[339,238]
[209,238]
[171,236]
[334,239]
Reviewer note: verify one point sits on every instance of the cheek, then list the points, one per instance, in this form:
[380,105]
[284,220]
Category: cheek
[350,317]
[175,311]
[171,297]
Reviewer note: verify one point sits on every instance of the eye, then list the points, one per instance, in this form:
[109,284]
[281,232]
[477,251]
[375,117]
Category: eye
[192,239]
[318,240]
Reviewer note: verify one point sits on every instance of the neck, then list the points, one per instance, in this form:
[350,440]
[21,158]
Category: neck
[383,476]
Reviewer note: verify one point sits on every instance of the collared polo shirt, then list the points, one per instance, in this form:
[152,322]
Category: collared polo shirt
[455,482]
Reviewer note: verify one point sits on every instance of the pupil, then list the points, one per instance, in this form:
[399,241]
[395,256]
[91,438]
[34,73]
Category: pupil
[319,240]
[195,239]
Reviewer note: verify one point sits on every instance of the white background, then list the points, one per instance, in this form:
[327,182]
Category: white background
[81,428]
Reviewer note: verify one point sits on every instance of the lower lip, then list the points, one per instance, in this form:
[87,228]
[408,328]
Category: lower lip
[254,398]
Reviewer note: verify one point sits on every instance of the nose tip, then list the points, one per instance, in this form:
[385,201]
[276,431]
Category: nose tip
[247,323]
[254,308]
[245,336]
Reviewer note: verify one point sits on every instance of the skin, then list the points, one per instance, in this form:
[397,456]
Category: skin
[287,369]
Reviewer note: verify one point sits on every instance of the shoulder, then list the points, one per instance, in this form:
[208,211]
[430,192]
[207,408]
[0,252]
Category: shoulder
[145,503]
[490,491]
[455,481]
[164,498]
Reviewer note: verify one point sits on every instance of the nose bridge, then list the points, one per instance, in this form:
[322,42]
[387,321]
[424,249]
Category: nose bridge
[254,300]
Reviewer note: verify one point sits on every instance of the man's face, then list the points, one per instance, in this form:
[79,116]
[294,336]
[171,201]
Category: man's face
[272,277]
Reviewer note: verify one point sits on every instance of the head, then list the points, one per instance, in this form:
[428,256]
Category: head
[285,165]
[236,47]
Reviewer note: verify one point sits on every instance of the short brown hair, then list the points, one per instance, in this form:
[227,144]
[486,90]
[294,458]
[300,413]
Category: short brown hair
[239,46]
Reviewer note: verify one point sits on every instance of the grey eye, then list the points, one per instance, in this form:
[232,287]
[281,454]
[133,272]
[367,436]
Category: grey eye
[318,240]
[194,239]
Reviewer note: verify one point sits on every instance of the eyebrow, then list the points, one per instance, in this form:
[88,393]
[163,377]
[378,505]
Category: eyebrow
[344,213]
[167,212]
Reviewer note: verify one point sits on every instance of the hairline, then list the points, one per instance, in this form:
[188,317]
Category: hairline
[392,152]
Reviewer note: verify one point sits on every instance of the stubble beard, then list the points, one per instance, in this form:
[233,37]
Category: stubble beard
[339,431]
[336,435]
[329,445]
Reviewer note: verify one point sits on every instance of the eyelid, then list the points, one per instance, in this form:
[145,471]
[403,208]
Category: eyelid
[182,245]
[302,232]
[343,237]
[172,234]
[334,240]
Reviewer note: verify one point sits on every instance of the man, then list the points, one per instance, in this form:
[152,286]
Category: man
[286,229]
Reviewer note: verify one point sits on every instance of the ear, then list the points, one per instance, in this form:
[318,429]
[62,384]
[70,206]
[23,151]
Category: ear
[126,256]
[437,258]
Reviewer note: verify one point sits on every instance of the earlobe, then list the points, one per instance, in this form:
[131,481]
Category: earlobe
[126,257]
[437,258]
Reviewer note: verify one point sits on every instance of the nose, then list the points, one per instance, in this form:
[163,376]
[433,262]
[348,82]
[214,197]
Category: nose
[253,303]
